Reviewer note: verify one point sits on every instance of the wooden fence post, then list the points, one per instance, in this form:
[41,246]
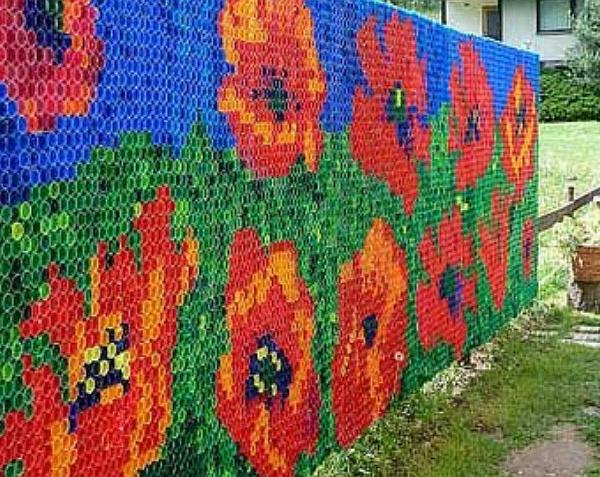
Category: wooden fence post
[571,193]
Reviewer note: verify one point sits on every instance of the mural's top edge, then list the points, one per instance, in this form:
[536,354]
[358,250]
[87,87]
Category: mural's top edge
[424,18]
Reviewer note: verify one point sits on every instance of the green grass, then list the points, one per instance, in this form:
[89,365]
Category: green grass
[532,386]
[567,150]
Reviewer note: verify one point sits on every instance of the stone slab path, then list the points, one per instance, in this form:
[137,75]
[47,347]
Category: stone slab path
[585,336]
[563,454]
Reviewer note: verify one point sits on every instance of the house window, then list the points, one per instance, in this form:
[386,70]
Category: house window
[555,16]
[492,23]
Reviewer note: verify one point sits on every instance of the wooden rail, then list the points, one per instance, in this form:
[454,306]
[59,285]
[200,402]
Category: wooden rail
[549,220]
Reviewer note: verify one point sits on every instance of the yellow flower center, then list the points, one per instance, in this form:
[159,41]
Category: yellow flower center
[106,372]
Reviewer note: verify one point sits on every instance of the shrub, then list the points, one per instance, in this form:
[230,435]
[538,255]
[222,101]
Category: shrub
[563,99]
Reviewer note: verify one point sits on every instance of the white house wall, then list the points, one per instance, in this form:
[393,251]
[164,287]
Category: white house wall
[467,16]
[520,30]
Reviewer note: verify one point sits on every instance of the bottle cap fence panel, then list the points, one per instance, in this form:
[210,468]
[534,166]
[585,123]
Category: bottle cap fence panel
[233,231]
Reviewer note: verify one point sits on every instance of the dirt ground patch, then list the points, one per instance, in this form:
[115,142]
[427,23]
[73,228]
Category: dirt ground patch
[563,454]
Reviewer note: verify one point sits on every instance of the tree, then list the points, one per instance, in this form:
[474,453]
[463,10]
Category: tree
[584,59]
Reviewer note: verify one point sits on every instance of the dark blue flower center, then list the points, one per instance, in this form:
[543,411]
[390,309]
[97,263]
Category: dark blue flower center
[105,366]
[528,247]
[399,113]
[521,119]
[279,99]
[450,288]
[473,132]
[45,18]
[369,326]
[270,372]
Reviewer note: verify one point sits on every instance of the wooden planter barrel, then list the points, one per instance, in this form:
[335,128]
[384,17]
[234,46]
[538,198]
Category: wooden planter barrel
[584,292]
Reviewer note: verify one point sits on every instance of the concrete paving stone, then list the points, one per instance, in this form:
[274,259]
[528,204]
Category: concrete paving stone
[584,337]
[563,454]
[586,329]
[589,344]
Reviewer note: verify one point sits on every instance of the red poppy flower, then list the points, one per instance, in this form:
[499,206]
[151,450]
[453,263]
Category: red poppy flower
[471,117]
[528,245]
[276,93]
[119,359]
[387,134]
[267,390]
[42,442]
[441,303]
[494,246]
[519,133]
[372,351]
[51,58]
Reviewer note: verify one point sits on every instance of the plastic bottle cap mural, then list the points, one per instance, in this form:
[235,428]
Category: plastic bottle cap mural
[234,231]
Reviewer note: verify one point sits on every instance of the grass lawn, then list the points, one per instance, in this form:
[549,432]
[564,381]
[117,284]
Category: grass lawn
[567,150]
[533,384]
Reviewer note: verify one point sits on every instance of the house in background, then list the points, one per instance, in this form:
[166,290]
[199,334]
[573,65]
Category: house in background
[542,26]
